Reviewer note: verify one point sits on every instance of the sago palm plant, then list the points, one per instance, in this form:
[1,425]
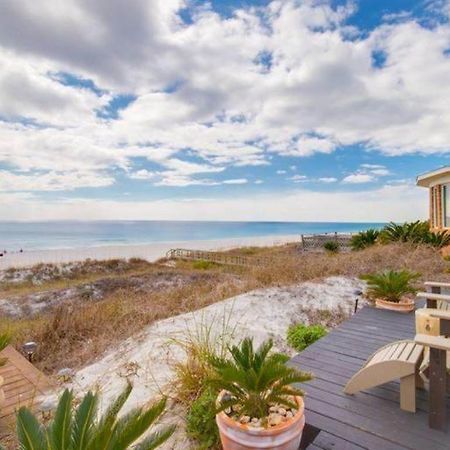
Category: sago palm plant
[390,285]
[364,239]
[255,379]
[81,429]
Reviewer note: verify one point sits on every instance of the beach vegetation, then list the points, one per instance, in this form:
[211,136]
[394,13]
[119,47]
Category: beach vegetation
[80,428]
[4,342]
[331,246]
[390,285]
[203,265]
[300,336]
[417,232]
[364,239]
[201,421]
[254,379]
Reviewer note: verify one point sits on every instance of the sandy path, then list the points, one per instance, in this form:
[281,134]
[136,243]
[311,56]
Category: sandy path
[150,252]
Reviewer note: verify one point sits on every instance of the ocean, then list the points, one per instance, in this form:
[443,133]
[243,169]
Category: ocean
[79,234]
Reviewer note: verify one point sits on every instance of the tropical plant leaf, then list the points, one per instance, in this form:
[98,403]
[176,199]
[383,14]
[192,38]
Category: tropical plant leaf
[156,439]
[83,424]
[29,431]
[59,432]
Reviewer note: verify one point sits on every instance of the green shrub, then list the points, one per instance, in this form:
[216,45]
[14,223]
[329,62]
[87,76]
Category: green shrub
[390,285]
[364,239]
[300,336]
[331,246]
[81,429]
[4,341]
[203,265]
[201,420]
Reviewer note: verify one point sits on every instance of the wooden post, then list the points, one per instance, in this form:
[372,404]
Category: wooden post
[433,303]
[438,388]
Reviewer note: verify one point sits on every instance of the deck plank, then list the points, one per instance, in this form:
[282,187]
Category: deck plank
[371,419]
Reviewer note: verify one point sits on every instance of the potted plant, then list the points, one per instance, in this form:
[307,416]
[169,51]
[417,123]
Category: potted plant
[257,405]
[390,288]
[4,341]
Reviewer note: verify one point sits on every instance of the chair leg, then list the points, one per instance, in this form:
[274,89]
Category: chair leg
[408,393]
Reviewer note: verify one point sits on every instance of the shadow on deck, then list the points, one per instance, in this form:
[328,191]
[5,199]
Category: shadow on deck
[371,419]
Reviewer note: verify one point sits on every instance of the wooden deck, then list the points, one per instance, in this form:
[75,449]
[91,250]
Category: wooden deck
[23,384]
[371,419]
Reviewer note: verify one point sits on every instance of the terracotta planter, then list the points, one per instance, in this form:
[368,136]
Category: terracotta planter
[286,436]
[405,305]
[2,394]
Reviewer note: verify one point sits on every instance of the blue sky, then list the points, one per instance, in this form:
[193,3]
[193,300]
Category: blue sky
[235,110]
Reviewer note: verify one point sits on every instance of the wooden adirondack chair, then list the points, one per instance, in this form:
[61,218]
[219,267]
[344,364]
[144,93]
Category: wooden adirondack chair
[398,360]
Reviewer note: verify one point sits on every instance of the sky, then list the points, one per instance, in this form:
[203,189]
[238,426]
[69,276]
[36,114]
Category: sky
[282,110]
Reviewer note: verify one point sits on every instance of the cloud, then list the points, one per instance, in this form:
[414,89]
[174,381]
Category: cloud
[358,178]
[327,179]
[281,172]
[236,181]
[380,205]
[298,178]
[281,80]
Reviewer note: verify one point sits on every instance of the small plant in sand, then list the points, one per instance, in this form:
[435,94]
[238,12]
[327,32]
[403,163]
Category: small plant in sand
[390,285]
[4,341]
[80,429]
[254,382]
[331,246]
[300,336]
[364,239]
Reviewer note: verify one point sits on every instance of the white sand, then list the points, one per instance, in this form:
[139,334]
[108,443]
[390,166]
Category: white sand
[262,314]
[150,252]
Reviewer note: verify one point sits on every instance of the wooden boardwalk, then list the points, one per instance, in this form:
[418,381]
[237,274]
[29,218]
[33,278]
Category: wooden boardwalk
[23,384]
[371,419]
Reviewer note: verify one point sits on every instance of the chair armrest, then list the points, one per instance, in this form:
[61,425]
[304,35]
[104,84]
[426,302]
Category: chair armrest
[437,284]
[430,296]
[438,342]
[439,314]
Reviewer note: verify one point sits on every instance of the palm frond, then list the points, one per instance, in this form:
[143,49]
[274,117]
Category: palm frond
[156,439]
[29,431]
[83,424]
[59,431]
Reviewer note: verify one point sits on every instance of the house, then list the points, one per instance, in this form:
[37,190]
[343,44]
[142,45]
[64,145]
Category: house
[438,183]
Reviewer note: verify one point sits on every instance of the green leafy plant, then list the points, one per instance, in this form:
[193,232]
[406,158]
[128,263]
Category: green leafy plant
[300,336]
[331,246]
[80,429]
[255,379]
[415,232]
[201,420]
[364,239]
[4,342]
[203,265]
[438,239]
[390,285]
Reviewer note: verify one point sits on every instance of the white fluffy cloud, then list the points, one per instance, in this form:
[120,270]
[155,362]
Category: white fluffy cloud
[289,79]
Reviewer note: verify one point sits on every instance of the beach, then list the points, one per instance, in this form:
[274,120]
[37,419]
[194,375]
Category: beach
[150,252]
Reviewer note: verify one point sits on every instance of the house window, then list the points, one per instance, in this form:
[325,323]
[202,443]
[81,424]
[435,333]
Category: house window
[446,204]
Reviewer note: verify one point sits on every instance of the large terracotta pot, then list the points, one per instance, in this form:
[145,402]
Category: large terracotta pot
[2,394]
[405,305]
[286,436]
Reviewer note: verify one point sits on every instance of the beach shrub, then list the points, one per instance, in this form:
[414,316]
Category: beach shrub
[80,429]
[390,285]
[4,341]
[416,233]
[203,265]
[255,379]
[331,246]
[205,340]
[364,239]
[301,336]
[201,420]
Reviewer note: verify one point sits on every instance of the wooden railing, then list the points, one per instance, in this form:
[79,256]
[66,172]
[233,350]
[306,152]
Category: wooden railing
[317,241]
[216,257]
